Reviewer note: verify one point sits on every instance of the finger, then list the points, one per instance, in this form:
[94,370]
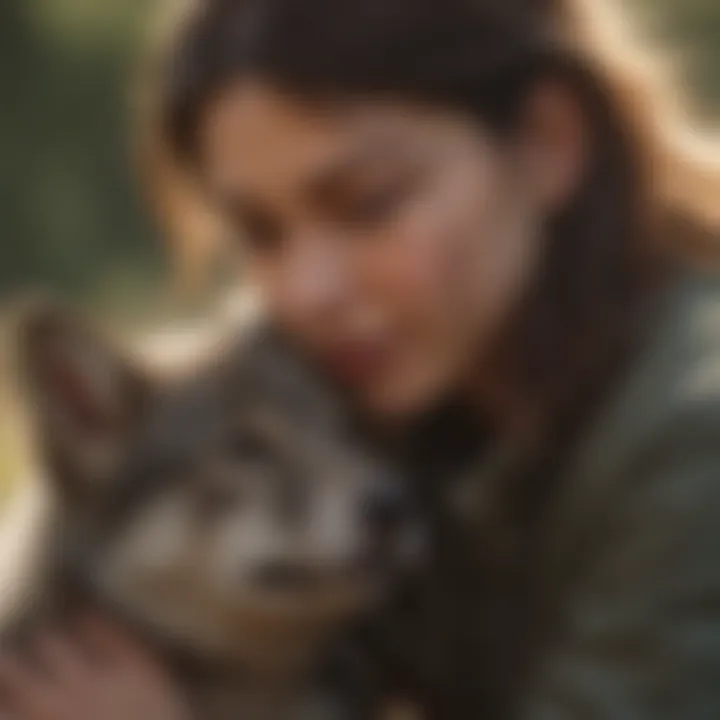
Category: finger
[23,694]
[17,682]
[109,642]
[59,656]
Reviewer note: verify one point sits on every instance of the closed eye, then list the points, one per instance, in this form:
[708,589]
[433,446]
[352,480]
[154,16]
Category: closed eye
[249,448]
[219,496]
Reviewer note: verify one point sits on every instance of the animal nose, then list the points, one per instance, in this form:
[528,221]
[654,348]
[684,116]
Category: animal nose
[386,509]
[282,575]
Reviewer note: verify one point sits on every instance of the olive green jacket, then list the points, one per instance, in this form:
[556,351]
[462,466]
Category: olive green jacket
[632,552]
[609,607]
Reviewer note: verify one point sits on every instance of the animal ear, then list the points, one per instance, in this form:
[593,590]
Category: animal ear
[86,397]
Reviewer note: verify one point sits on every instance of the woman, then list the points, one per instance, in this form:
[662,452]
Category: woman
[466,216]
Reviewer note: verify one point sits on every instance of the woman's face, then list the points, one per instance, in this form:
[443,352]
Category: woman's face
[391,241]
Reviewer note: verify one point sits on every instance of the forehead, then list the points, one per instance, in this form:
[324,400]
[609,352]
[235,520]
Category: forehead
[259,388]
[255,392]
[254,135]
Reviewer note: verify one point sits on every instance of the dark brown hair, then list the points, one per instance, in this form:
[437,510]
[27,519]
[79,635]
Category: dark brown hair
[481,57]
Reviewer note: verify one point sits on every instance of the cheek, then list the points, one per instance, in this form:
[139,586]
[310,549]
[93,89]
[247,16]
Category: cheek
[447,276]
[155,564]
[334,534]
[432,266]
[156,545]
[241,545]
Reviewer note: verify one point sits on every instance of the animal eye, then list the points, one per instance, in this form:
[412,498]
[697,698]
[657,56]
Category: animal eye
[218,497]
[249,449]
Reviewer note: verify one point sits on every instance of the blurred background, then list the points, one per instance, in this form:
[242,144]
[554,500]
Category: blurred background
[72,220]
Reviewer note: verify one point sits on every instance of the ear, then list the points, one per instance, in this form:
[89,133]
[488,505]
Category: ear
[86,398]
[555,143]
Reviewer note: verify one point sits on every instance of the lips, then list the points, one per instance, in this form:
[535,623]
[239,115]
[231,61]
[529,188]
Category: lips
[359,363]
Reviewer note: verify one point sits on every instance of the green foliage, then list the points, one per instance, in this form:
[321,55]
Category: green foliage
[691,28]
[70,215]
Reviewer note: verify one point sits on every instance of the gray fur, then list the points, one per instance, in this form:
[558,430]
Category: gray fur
[220,512]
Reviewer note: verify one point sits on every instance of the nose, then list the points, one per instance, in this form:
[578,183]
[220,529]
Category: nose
[314,281]
[386,509]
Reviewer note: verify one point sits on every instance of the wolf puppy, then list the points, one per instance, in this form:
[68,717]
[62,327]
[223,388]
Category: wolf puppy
[227,514]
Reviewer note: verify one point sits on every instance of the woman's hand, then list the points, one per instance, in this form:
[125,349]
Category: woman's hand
[95,672]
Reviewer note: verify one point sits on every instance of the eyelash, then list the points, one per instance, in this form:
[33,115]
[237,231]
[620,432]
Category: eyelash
[376,206]
[263,234]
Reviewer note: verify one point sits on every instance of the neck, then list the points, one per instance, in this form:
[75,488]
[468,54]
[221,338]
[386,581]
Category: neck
[492,387]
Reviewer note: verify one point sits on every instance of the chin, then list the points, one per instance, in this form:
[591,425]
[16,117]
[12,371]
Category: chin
[400,401]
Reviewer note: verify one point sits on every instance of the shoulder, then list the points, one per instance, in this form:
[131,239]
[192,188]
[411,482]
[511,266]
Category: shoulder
[634,536]
[653,453]
[671,390]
